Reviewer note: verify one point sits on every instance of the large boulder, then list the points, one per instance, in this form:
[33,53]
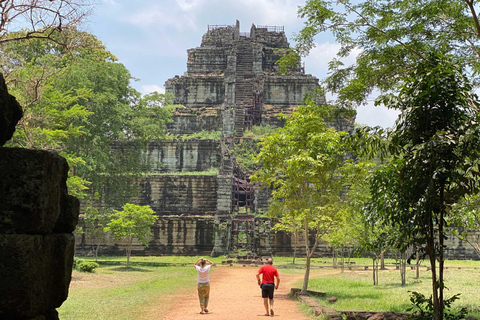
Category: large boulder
[35,272]
[33,189]
[37,218]
[10,113]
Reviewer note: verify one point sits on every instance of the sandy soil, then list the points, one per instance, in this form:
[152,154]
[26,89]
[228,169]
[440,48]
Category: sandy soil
[235,295]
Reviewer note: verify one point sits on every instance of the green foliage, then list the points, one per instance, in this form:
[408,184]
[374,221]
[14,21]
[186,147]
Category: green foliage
[86,266]
[248,148]
[209,172]
[305,164]
[80,103]
[204,135]
[133,222]
[435,147]
[76,262]
[424,310]
[392,37]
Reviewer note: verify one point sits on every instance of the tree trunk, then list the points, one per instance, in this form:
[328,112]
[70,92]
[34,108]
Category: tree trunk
[127,251]
[403,267]
[96,252]
[440,255]
[418,264]
[382,260]
[375,270]
[294,253]
[307,275]
[334,257]
[437,312]
[342,260]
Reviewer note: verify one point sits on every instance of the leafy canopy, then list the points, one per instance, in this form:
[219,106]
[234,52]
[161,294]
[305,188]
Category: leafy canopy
[393,36]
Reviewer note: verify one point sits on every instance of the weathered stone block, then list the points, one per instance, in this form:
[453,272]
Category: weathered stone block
[32,187]
[35,272]
[68,219]
[10,113]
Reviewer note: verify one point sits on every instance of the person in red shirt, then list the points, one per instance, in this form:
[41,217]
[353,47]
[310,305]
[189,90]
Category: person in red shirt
[269,273]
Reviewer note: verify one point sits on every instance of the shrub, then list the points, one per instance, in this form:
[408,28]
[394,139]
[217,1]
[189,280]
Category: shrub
[76,262]
[86,266]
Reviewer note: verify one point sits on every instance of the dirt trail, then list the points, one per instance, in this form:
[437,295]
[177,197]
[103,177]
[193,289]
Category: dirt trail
[235,295]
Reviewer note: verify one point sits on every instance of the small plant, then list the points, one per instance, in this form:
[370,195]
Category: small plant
[76,262]
[87,266]
[423,308]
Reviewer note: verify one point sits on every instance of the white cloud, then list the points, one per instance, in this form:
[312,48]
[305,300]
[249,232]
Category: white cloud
[279,12]
[187,5]
[376,116]
[149,88]
[161,17]
[319,57]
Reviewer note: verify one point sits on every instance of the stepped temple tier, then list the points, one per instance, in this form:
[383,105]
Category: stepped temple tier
[199,187]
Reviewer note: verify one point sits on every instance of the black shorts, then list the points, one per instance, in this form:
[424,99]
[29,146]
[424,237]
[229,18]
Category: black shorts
[267,290]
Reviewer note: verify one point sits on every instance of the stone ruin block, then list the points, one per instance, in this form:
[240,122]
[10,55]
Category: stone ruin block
[35,272]
[10,113]
[32,197]
[37,218]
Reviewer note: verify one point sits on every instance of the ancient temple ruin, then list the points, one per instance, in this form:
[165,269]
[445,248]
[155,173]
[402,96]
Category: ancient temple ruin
[203,197]
[231,84]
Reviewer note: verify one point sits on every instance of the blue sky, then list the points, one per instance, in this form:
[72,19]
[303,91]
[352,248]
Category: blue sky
[151,37]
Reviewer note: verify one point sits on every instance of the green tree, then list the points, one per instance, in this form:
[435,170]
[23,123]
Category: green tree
[305,164]
[435,147]
[133,222]
[393,36]
[95,219]
[81,104]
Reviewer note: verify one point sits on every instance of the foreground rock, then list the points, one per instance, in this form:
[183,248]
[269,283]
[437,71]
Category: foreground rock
[37,218]
[10,113]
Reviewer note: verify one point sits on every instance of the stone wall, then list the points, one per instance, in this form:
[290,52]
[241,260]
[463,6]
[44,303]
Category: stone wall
[286,91]
[197,91]
[207,60]
[183,155]
[220,37]
[270,56]
[179,195]
[37,218]
[272,39]
[171,235]
[195,120]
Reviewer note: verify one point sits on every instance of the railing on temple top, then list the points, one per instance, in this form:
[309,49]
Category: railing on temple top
[272,28]
[244,34]
[219,26]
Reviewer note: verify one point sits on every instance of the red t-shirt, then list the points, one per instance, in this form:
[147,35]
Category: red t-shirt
[269,272]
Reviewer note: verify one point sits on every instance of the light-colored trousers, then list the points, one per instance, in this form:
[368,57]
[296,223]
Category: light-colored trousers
[203,293]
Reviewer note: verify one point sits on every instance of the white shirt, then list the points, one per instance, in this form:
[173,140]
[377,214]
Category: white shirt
[203,273]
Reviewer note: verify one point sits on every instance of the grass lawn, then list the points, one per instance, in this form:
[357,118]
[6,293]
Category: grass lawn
[124,294]
[355,290]
[143,292]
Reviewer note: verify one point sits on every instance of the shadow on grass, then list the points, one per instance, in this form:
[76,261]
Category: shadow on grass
[130,269]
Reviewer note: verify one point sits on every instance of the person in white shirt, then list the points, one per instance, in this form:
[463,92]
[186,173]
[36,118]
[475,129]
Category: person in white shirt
[203,282]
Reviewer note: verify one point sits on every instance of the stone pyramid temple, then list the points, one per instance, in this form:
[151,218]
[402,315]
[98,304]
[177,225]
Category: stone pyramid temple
[204,199]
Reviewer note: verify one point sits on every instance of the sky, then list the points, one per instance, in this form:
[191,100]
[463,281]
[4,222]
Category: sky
[151,38]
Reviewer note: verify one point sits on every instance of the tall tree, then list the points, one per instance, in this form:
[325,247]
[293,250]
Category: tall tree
[81,103]
[392,37]
[435,146]
[305,164]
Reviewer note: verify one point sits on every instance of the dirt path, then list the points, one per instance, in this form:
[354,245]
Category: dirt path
[235,295]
